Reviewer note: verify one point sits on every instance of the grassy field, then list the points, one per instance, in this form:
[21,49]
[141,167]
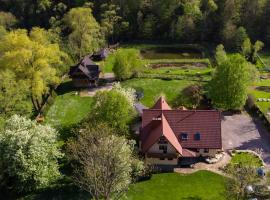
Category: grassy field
[202,185]
[153,88]
[247,159]
[68,109]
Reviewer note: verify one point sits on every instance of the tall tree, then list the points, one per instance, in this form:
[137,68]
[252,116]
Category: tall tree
[28,154]
[228,88]
[34,59]
[109,20]
[85,33]
[14,95]
[104,162]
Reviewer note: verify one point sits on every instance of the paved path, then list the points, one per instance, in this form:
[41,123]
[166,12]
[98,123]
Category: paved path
[216,167]
[244,133]
[92,92]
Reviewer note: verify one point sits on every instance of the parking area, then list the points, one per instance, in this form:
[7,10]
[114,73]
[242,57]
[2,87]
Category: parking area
[242,132]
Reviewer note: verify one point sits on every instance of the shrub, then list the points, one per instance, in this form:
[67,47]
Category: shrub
[127,64]
[190,96]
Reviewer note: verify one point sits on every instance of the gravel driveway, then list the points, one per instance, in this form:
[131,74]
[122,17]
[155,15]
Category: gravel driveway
[242,132]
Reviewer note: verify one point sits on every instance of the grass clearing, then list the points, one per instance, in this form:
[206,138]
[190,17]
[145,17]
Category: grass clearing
[202,185]
[153,88]
[68,109]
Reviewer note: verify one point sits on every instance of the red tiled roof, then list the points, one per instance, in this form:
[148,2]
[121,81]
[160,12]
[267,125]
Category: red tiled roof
[159,127]
[161,104]
[175,122]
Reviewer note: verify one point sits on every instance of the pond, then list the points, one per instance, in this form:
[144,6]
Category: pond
[171,53]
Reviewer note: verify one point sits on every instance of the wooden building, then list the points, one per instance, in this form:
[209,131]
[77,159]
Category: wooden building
[100,55]
[85,74]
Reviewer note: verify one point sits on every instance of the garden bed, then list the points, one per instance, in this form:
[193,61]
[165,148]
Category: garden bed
[179,65]
[246,158]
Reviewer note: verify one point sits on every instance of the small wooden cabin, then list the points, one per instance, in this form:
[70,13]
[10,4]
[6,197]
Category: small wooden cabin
[100,55]
[85,74]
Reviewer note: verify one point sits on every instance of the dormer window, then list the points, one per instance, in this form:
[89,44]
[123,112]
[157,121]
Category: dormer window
[197,136]
[184,136]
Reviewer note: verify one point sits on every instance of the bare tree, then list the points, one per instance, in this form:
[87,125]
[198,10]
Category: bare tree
[240,177]
[103,162]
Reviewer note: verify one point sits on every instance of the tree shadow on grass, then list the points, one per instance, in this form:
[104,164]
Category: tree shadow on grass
[60,192]
[192,198]
[65,87]
[263,88]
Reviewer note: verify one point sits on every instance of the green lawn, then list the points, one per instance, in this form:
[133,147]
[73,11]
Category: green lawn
[68,109]
[260,90]
[202,185]
[247,159]
[153,88]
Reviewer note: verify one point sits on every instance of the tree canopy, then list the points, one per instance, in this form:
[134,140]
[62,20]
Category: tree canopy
[105,161]
[115,107]
[28,154]
[223,21]
[85,33]
[127,63]
[228,88]
[33,58]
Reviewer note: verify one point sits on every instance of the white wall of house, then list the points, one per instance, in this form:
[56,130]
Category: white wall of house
[155,148]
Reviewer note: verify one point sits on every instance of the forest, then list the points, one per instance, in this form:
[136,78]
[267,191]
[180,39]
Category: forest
[214,21]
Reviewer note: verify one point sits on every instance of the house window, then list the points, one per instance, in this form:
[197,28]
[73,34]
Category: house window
[206,150]
[170,159]
[184,136]
[197,136]
[163,148]
[162,158]
[162,140]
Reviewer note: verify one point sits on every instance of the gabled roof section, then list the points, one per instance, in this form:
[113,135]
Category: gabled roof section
[88,67]
[169,134]
[161,104]
[157,128]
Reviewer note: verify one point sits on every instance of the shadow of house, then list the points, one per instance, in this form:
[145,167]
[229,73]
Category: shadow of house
[85,74]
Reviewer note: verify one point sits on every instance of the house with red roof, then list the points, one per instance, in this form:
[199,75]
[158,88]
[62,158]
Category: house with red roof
[167,135]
